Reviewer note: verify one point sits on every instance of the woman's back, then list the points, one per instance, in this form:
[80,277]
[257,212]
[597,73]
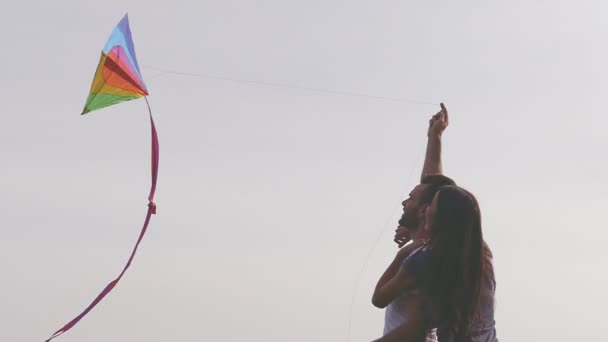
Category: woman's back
[482,327]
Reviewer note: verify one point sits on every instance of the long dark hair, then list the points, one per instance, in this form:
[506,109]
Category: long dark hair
[459,262]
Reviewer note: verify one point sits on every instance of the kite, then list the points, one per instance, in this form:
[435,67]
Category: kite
[116,80]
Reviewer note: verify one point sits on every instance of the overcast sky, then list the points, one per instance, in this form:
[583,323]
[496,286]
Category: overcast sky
[270,199]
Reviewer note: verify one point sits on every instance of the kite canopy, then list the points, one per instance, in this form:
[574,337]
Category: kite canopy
[117,78]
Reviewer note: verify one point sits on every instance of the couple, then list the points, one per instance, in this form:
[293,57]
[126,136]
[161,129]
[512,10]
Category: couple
[440,287]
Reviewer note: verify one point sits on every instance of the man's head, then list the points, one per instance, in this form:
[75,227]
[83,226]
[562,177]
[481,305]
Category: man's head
[421,197]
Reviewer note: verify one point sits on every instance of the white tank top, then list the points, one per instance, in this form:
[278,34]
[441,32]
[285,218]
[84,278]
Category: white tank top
[395,316]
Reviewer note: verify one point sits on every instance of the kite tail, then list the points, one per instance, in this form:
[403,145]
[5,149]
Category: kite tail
[154,157]
[151,211]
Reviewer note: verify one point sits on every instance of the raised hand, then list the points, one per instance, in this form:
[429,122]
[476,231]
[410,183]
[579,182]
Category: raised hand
[439,122]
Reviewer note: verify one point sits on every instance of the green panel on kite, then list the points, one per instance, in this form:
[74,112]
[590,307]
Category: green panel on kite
[97,101]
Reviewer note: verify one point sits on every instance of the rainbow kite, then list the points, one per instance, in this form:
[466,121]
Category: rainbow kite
[116,80]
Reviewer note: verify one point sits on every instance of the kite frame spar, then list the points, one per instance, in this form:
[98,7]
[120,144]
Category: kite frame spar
[116,80]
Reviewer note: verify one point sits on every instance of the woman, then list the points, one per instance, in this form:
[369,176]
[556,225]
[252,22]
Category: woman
[453,272]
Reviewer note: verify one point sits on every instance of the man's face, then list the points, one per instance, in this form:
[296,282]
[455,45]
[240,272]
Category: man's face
[412,206]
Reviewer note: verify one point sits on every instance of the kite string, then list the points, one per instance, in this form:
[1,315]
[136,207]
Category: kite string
[370,254]
[161,71]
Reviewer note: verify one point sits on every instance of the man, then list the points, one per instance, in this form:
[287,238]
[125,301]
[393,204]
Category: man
[407,315]
[412,221]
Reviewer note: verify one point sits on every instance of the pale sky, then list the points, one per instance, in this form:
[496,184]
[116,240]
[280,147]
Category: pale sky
[270,199]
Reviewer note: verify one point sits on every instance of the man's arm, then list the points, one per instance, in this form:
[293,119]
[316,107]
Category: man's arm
[395,280]
[432,159]
[415,327]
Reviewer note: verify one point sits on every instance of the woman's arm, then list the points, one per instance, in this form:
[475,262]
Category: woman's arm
[387,291]
[379,297]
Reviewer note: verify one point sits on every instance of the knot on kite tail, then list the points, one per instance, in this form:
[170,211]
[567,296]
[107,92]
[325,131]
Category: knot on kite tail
[152,207]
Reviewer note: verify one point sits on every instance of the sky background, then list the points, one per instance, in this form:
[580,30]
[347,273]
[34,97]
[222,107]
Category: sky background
[270,199]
